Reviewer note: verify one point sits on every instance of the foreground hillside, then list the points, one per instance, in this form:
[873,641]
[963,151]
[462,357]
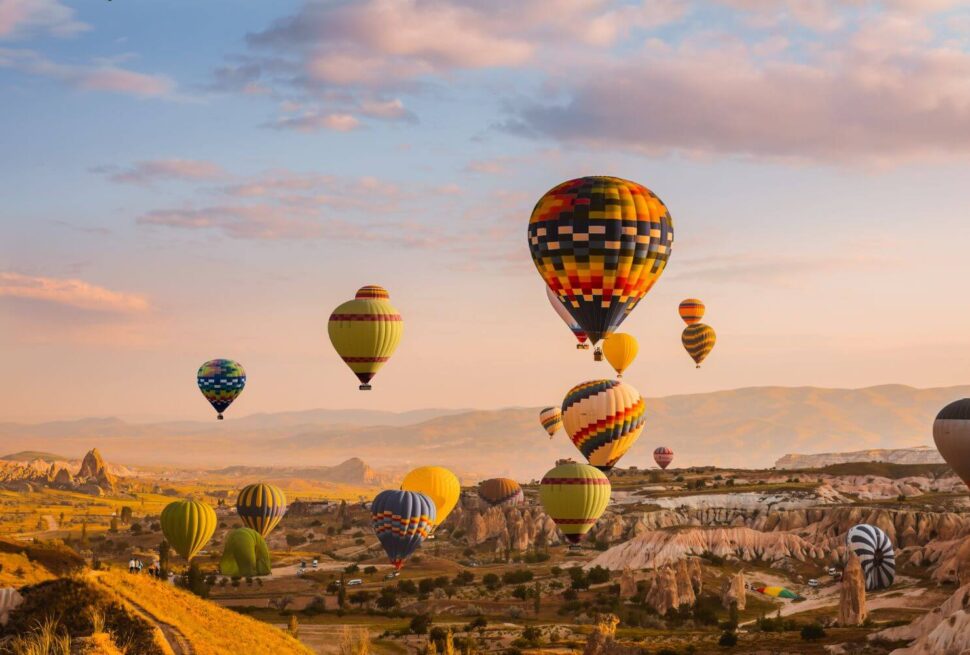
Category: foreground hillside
[743,427]
[108,612]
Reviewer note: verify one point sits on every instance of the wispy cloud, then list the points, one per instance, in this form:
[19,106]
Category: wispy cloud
[20,18]
[72,293]
[148,172]
[103,76]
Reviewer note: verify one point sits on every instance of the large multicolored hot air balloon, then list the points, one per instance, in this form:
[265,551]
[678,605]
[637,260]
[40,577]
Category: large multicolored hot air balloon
[365,332]
[245,554]
[568,319]
[951,433]
[551,419]
[261,507]
[575,496]
[188,526]
[779,592]
[437,483]
[620,350]
[221,381]
[691,310]
[698,340]
[600,243]
[402,520]
[876,555]
[501,491]
[603,418]
[663,456]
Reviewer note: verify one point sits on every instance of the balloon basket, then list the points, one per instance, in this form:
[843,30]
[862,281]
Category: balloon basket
[220,417]
[365,387]
[597,355]
[582,346]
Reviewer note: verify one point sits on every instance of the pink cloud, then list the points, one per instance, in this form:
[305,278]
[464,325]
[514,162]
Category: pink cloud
[23,17]
[71,292]
[263,222]
[103,76]
[146,172]
[313,121]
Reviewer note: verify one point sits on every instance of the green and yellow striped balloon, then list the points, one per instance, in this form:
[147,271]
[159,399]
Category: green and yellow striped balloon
[365,332]
[188,526]
[261,507]
[575,496]
[698,340]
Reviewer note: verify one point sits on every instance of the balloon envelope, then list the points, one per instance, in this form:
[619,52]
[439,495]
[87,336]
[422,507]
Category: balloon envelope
[778,592]
[600,243]
[501,491]
[663,456]
[402,520]
[245,554]
[551,419]
[603,418]
[567,318]
[698,340]
[620,350]
[951,433]
[574,496]
[261,507]
[691,310]
[365,332]
[221,381]
[437,483]
[875,552]
[188,526]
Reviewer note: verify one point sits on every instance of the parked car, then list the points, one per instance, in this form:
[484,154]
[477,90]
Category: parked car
[813,582]
[392,575]
[354,582]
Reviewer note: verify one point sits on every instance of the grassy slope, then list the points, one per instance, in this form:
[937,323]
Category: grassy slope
[211,629]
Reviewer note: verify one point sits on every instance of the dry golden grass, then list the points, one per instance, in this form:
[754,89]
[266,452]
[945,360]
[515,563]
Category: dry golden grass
[18,571]
[211,629]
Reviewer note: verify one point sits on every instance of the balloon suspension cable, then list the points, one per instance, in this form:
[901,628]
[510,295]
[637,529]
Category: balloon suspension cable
[365,387]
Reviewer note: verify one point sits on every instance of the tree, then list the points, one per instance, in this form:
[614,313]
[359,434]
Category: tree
[341,593]
[195,581]
[361,598]
[491,581]
[728,640]
[387,599]
[536,597]
[281,603]
[598,575]
[419,624]
[164,552]
[84,534]
[294,627]
[113,526]
[126,514]
[813,631]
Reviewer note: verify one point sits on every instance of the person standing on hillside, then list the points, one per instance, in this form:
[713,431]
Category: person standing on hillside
[131,565]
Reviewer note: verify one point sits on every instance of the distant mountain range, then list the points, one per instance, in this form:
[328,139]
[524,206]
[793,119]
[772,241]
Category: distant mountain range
[918,455]
[749,428]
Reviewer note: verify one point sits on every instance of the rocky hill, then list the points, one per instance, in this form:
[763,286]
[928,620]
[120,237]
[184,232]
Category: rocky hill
[352,471]
[92,476]
[917,455]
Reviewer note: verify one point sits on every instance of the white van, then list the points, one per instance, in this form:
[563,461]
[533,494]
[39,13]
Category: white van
[354,582]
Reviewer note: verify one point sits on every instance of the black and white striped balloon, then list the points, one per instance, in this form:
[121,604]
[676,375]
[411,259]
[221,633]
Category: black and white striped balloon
[875,552]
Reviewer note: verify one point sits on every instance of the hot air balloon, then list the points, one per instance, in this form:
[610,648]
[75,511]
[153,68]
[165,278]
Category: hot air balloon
[261,507]
[876,555]
[951,433]
[779,592]
[691,310]
[603,418]
[188,525]
[365,332]
[600,243]
[221,381]
[698,340]
[551,419]
[501,491]
[575,496]
[437,483]
[663,456]
[568,320]
[10,599]
[620,350]
[402,520]
[245,554]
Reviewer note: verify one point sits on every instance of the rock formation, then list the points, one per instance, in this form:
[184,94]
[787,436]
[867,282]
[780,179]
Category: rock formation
[943,631]
[94,471]
[602,641]
[852,597]
[94,476]
[918,455]
[628,583]
[674,586]
[733,591]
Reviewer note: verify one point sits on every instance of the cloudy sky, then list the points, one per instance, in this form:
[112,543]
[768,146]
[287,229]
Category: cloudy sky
[185,180]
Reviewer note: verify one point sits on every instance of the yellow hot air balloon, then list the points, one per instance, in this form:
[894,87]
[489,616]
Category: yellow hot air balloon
[437,483]
[603,418]
[691,310]
[698,340]
[188,525]
[574,496]
[365,332]
[620,349]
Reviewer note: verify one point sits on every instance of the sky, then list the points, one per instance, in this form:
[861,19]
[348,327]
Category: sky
[182,181]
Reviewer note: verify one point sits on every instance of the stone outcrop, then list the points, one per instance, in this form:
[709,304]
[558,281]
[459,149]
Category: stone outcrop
[852,597]
[918,455]
[602,640]
[94,471]
[733,591]
[628,583]
[674,586]
[514,528]
[94,476]
[942,631]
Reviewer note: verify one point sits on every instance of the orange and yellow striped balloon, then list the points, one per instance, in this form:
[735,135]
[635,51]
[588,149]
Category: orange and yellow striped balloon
[603,418]
[691,310]
[698,340]
[365,332]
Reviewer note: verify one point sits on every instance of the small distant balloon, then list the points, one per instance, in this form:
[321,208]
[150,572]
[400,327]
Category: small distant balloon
[691,310]
[365,332]
[551,420]
[620,350]
[663,456]
[698,340]
[876,555]
[221,381]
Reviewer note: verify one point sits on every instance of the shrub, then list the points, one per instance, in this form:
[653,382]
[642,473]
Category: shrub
[728,640]
[813,631]
[419,625]
[491,581]
[517,576]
